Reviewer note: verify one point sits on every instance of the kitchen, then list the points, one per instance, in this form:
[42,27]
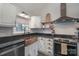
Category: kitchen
[39,29]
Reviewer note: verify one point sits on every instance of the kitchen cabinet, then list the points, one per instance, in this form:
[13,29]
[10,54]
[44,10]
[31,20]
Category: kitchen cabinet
[45,45]
[35,22]
[0,11]
[31,46]
[41,44]
[31,50]
[8,14]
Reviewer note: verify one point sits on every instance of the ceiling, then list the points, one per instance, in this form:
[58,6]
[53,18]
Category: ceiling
[31,8]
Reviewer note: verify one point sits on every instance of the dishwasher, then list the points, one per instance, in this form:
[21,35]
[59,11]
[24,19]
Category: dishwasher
[13,48]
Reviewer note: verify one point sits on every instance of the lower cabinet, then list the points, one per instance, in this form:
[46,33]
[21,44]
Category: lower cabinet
[45,45]
[31,50]
[31,46]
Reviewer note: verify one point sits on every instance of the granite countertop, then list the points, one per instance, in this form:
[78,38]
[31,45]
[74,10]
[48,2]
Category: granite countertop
[41,34]
[12,38]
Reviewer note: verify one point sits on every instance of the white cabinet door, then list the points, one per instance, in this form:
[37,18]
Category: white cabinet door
[35,48]
[27,51]
[42,45]
[0,12]
[45,47]
[8,14]
[32,50]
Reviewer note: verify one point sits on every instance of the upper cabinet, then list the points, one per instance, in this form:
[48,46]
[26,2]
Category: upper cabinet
[0,11]
[35,22]
[8,14]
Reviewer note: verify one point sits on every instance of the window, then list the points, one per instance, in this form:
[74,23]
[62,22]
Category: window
[22,23]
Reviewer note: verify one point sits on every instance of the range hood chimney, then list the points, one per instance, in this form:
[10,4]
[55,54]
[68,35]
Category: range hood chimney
[64,17]
[63,9]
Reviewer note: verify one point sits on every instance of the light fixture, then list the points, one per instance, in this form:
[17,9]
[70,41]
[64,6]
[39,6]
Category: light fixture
[23,15]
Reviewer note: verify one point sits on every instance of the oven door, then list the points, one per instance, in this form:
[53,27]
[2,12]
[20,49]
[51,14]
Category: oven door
[70,50]
[13,50]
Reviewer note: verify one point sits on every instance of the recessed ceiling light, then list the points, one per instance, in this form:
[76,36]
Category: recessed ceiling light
[21,14]
[24,15]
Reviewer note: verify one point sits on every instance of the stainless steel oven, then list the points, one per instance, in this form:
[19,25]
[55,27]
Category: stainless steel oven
[69,50]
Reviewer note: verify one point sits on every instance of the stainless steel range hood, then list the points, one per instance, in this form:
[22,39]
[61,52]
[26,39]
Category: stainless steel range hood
[64,17]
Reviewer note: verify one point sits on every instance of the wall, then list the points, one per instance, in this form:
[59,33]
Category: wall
[5,31]
[73,10]
[35,22]
[53,9]
[65,28]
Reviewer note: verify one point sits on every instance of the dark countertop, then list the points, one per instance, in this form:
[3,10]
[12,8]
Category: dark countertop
[41,34]
[13,38]
[17,37]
